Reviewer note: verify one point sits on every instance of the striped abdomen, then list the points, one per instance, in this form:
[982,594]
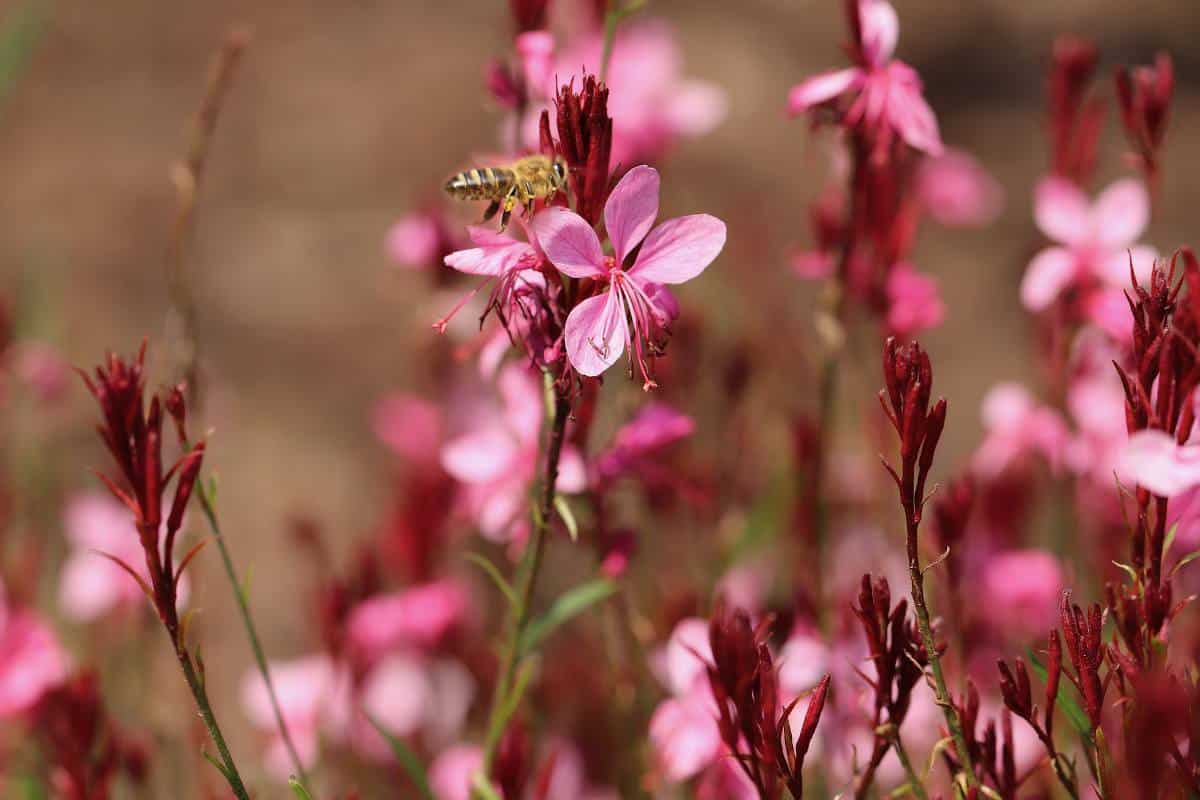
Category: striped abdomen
[488,183]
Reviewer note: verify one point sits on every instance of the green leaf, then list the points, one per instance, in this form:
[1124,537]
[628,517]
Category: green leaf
[1077,716]
[212,760]
[408,760]
[1170,540]
[568,516]
[1183,562]
[488,567]
[482,789]
[1130,571]
[568,605]
[298,788]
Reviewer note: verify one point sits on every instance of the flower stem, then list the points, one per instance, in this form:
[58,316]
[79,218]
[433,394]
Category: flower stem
[941,693]
[914,782]
[260,659]
[196,683]
[557,412]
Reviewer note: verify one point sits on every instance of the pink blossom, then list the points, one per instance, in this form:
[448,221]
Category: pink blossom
[535,51]
[416,617]
[956,190]
[654,428]
[90,584]
[1183,512]
[1154,461]
[725,780]
[31,660]
[415,240]
[453,770]
[305,687]
[888,94]
[1023,588]
[1094,243]
[813,265]
[1096,403]
[803,662]
[498,460]
[410,426]
[914,304]
[43,370]
[1015,426]
[684,734]
[513,264]
[596,331]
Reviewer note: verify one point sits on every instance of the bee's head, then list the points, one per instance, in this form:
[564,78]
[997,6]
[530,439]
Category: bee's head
[560,171]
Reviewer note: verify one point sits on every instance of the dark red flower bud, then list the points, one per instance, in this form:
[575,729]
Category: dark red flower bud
[1015,689]
[1144,97]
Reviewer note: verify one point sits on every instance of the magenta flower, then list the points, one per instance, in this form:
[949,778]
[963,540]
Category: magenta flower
[410,426]
[417,240]
[92,584]
[1016,427]
[1094,242]
[653,429]
[512,264]
[956,190]
[31,660]
[498,460]
[600,328]
[888,99]
[914,303]
[1022,588]
[416,617]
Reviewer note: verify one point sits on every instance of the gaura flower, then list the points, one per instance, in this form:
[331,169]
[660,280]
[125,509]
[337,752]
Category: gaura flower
[1094,242]
[889,98]
[956,190]
[306,687]
[914,303]
[629,315]
[417,617]
[1016,426]
[31,660]
[1157,463]
[512,264]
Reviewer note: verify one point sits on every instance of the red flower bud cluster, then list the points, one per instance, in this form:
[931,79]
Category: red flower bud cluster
[1144,98]
[908,381]
[584,141]
[1075,118]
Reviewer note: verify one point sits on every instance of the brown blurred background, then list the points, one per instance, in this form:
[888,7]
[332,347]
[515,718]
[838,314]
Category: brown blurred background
[346,114]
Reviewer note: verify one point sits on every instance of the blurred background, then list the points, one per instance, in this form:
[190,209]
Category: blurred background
[344,115]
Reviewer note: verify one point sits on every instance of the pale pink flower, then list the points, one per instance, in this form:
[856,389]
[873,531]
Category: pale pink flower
[513,264]
[746,585]
[725,780]
[1154,461]
[956,190]
[498,460]
[803,662]
[90,584]
[31,659]
[597,330]
[684,734]
[655,427]
[43,369]
[1016,426]
[416,617]
[453,770]
[1183,512]
[1022,588]
[888,97]
[305,688]
[535,52]
[914,303]
[1096,403]
[1094,243]
[410,426]
[415,240]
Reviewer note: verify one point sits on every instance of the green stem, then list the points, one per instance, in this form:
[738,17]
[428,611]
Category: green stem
[196,684]
[914,782]
[612,20]
[558,411]
[260,659]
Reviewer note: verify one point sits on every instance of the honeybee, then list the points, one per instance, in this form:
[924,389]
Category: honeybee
[524,181]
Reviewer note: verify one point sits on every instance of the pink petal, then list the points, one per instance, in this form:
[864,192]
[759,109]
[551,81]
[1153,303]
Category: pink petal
[914,120]
[679,249]
[395,694]
[1153,460]
[1061,210]
[914,302]
[572,472]
[1114,270]
[480,456]
[631,209]
[521,393]
[1121,214]
[1050,271]
[688,652]
[413,241]
[813,264]
[31,661]
[1108,310]
[90,586]
[880,30]
[496,254]
[696,107]
[685,737]
[452,771]
[957,190]
[596,333]
[1023,589]
[823,88]
[410,426]
[569,242]
[301,685]
[416,617]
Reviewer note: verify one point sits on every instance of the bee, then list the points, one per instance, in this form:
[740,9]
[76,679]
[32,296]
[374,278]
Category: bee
[524,181]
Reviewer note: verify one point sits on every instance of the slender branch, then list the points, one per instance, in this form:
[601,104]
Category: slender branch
[529,570]
[196,683]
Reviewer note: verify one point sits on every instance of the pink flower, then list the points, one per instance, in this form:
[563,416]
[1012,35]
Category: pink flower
[889,97]
[512,264]
[410,426]
[453,770]
[684,734]
[31,660]
[956,190]
[1094,242]
[1022,588]
[417,617]
[498,460]
[90,584]
[914,304]
[305,688]
[43,369]
[596,331]
[414,240]
[654,428]
[1016,426]
[725,780]
[1155,462]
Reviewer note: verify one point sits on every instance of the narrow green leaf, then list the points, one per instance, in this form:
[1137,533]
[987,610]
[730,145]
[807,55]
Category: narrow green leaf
[1170,540]
[568,605]
[298,788]
[1130,571]
[212,760]
[482,789]
[1077,716]
[1183,562]
[408,760]
[568,516]
[488,567]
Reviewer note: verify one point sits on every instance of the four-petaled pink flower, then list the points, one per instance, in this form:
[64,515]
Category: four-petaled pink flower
[629,315]
[1158,464]
[31,660]
[889,93]
[1095,243]
[512,264]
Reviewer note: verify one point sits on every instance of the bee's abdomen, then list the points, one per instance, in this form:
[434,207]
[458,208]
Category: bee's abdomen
[478,184]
